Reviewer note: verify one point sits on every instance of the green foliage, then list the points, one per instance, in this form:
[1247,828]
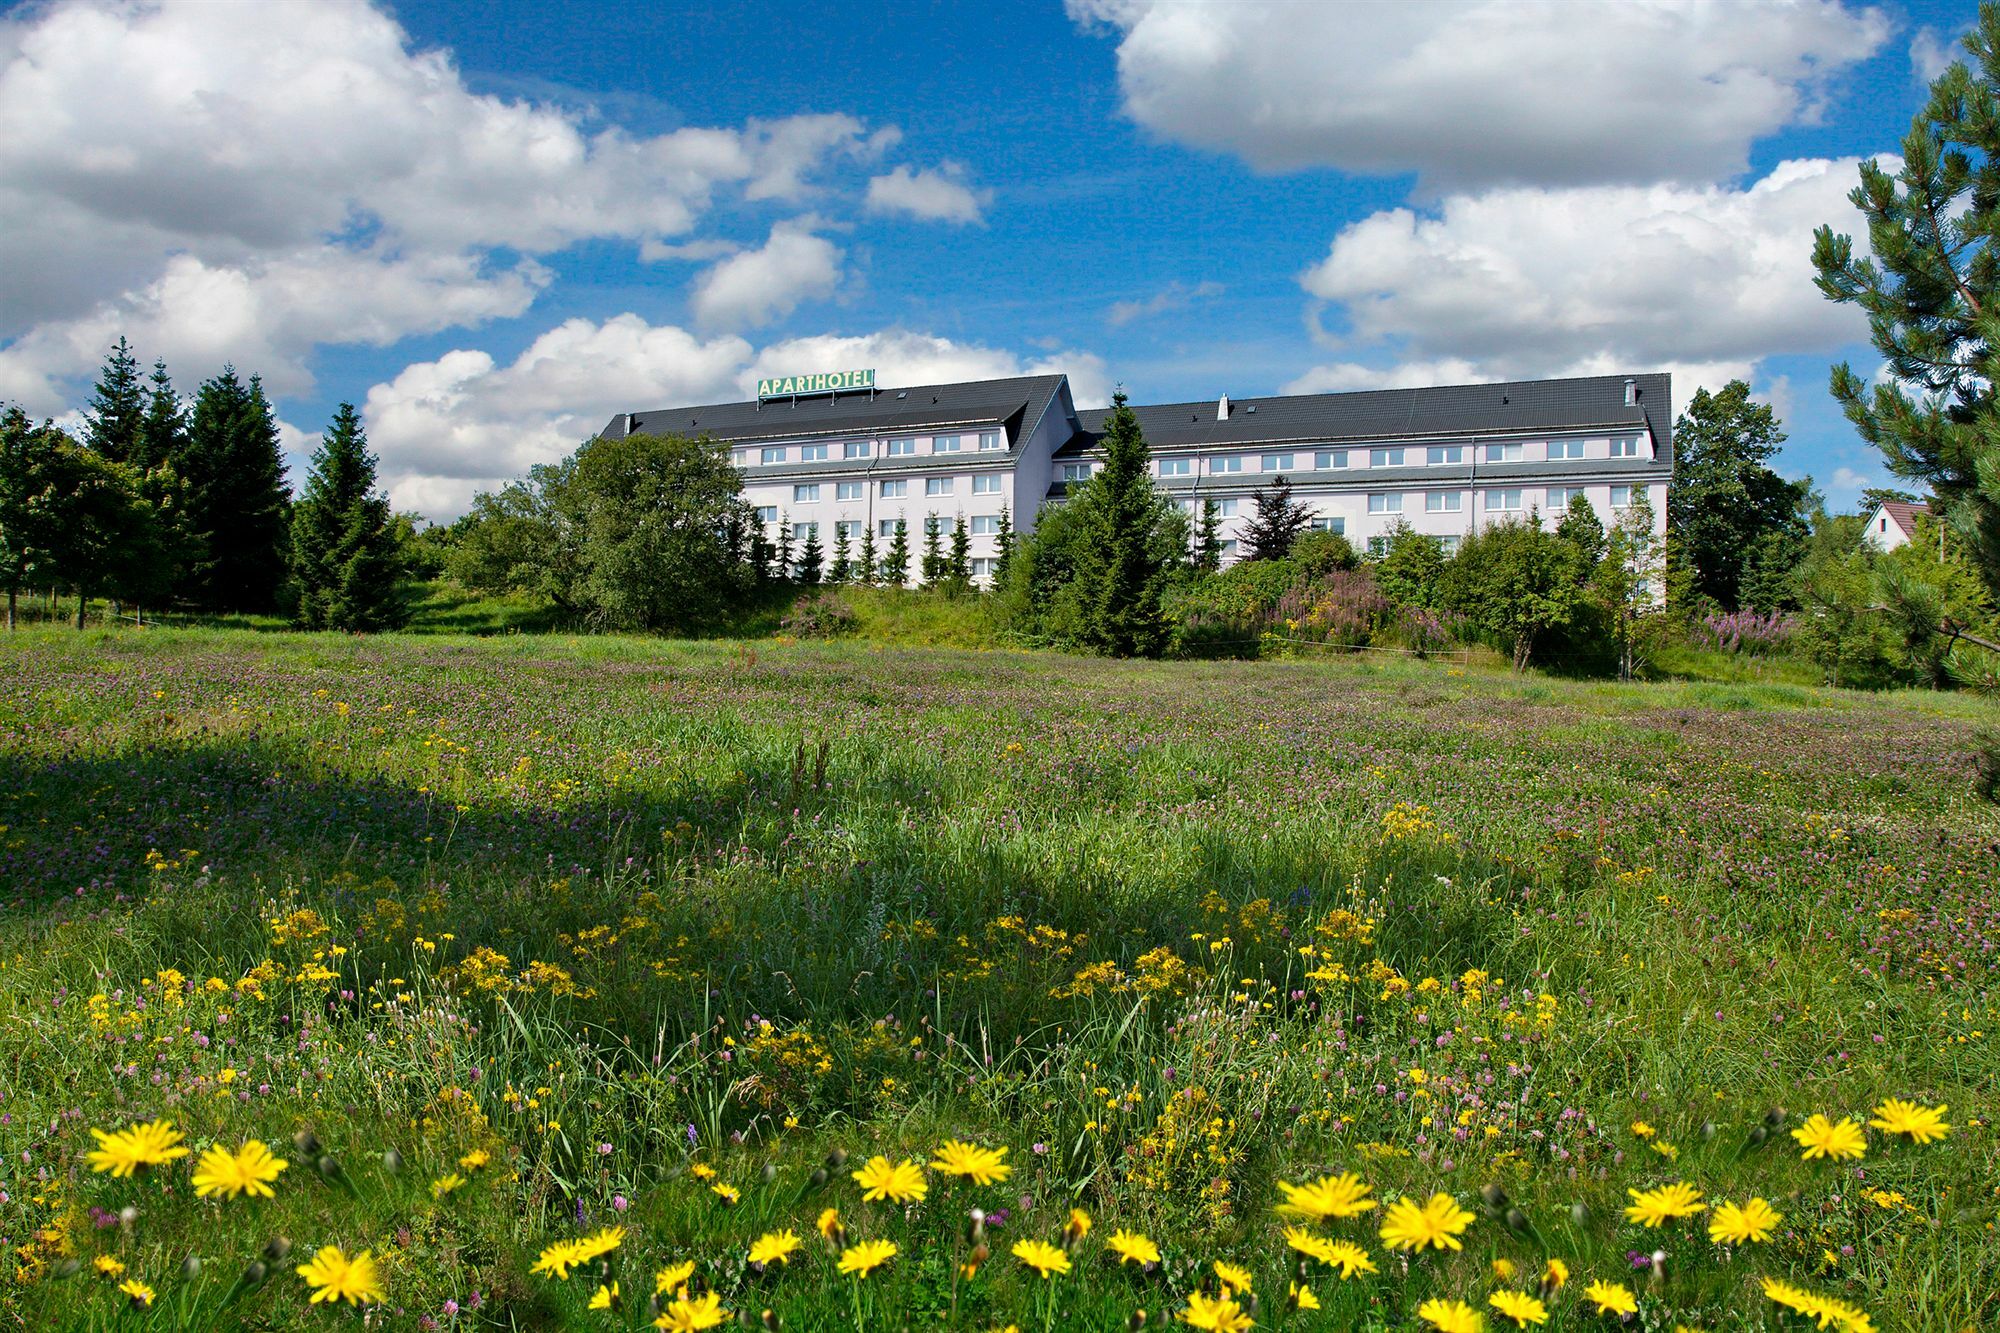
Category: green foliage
[1517,583]
[238,509]
[32,495]
[1727,507]
[934,566]
[1317,553]
[896,561]
[1270,532]
[651,509]
[345,555]
[1930,288]
[1579,526]
[812,559]
[114,425]
[1207,552]
[1411,568]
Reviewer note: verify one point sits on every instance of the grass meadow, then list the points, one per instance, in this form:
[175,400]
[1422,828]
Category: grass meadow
[560,973]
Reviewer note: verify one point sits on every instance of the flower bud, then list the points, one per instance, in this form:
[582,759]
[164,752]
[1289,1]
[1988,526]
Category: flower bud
[191,1267]
[306,1142]
[254,1275]
[1495,1196]
[392,1161]
[277,1248]
[769,1173]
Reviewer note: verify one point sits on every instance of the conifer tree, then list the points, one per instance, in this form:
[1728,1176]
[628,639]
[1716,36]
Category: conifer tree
[1931,292]
[896,564]
[1003,546]
[958,565]
[31,498]
[934,566]
[239,511]
[1121,571]
[843,556]
[163,437]
[1277,523]
[784,568]
[812,558]
[344,558]
[115,423]
[761,555]
[868,570]
[1208,538]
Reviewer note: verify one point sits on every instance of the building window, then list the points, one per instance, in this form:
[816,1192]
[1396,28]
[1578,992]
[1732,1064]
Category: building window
[1503,502]
[1277,462]
[1175,467]
[887,526]
[1385,458]
[988,484]
[1445,453]
[1392,503]
[1336,526]
[992,439]
[937,485]
[986,525]
[767,513]
[1228,463]
[1378,546]
[1624,497]
[902,448]
[982,567]
[854,449]
[1330,458]
[1449,545]
[1229,547]
[1503,453]
[802,495]
[849,528]
[1443,502]
[775,454]
[895,490]
[1225,508]
[801,531]
[945,444]
[1560,496]
[1626,447]
[812,453]
[1562,449]
[1076,472]
[739,457]
[847,490]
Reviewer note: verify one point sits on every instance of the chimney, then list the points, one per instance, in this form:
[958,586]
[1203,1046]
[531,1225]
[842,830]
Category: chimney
[1631,393]
[1222,408]
[630,421]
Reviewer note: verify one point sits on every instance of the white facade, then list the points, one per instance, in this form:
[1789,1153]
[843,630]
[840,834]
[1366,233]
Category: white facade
[1893,524]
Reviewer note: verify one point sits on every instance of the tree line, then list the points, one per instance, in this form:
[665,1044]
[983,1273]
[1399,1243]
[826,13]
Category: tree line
[168,502]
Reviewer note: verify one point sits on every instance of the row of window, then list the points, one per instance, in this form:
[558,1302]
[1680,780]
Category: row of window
[980,525]
[894,488]
[988,441]
[1332,460]
[1500,500]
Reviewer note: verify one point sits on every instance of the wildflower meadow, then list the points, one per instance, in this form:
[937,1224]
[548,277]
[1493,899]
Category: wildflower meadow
[441,983]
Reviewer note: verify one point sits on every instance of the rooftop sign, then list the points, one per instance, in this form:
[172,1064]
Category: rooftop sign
[791,386]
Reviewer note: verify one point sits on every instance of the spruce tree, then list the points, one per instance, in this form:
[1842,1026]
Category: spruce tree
[1931,292]
[1121,571]
[114,426]
[1003,546]
[238,508]
[31,497]
[934,565]
[959,565]
[843,556]
[812,558]
[163,437]
[869,568]
[1208,538]
[896,564]
[344,557]
[1277,523]
[784,568]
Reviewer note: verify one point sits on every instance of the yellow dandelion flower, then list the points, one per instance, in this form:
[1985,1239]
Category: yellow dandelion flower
[728,1194]
[151,1144]
[673,1277]
[1077,1227]
[1554,1274]
[334,1277]
[1132,1248]
[1520,1307]
[1325,1199]
[475,1159]
[830,1227]
[604,1298]
[1233,1277]
[774,1247]
[107,1265]
[1451,1316]
[249,1170]
[1302,1298]
[692,1314]
[982,1166]
[444,1185]
[900,1182]
[1046,1259]
[1922,1124]
[1751,1222]
[865,1258]
[1611,1298]
[557,1259]
[141,1294]
[1655,1207]
[600,1242]
[1436,1223]
[1831,1139]
[1220,1315]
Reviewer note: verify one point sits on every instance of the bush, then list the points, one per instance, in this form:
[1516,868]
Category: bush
[1745,631]
[821,615]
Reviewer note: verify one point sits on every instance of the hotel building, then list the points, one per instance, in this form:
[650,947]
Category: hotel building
[835,452]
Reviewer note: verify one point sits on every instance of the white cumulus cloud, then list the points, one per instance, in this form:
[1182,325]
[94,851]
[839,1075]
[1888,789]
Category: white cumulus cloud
[447,428]
[930,196]
[1513,283]
[755,287]
[1472,92]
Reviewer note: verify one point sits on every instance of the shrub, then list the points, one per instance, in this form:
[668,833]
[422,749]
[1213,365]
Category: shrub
[823,615]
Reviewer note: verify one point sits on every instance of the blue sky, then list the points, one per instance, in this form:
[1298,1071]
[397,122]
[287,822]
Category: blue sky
[494,225]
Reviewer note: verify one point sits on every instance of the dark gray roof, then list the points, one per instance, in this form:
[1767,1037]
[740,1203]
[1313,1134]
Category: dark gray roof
[1015,403]
[1375,414]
